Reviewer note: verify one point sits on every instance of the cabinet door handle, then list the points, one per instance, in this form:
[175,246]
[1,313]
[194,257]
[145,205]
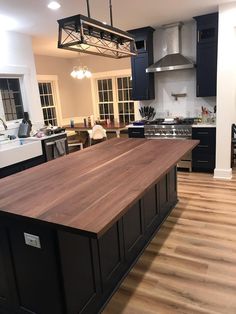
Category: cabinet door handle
[50,143]
[203,146]
[203,133]
[136,132]
[198,90]
[202,161]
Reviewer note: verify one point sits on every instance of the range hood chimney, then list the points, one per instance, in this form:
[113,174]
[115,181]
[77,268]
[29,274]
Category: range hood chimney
[174,60]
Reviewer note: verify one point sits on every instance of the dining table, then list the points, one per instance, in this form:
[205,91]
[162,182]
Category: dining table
[111,127]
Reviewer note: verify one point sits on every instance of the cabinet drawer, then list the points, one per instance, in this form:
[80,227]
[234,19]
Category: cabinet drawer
[203,132]
[205,148]
[203,160]
[136,132]
[203,164]
[207,136]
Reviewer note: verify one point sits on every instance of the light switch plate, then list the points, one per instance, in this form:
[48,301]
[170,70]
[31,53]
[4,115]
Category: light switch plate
[32,240]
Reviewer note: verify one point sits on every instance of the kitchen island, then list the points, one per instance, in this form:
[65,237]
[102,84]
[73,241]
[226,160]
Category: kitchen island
[71,229]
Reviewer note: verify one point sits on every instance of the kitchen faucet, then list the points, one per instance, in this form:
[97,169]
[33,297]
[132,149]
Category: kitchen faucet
[3,123]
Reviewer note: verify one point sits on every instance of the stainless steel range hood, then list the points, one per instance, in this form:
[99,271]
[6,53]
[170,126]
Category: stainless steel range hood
[174,60]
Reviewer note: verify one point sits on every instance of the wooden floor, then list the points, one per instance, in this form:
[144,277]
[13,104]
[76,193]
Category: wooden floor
[190,266]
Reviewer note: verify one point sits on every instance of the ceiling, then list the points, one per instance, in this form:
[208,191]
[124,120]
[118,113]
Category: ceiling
[34,18]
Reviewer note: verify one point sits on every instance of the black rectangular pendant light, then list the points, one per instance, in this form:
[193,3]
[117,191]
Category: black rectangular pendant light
[83,34]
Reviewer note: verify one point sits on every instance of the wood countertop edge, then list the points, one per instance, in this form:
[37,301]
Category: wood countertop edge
[48,224]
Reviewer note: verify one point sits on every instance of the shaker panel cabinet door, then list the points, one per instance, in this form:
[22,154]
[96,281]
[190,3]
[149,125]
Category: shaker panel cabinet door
[133,231]
[206,70]
[140,79]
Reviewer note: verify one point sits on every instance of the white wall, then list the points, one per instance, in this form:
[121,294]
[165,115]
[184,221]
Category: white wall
[67,86]
[16,58]
[226,89]
[183,81]
[76,95]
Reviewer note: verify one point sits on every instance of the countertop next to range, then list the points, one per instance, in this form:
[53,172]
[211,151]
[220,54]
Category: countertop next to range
[200,125]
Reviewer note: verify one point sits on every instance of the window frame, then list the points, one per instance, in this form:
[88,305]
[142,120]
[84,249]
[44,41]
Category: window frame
[2,112]
[110,75]
[123,102]
[53,79]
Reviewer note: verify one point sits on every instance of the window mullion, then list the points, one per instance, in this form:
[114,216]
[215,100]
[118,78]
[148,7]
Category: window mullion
[115,97]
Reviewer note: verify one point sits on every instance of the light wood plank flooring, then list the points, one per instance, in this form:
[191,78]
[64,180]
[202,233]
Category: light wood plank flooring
[190,266]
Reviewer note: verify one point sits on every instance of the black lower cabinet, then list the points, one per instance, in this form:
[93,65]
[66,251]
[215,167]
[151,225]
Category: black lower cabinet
[203,156]
[136,132]
[71,272]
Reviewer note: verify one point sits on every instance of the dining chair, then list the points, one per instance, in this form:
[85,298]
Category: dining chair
[97,134]
[72,141]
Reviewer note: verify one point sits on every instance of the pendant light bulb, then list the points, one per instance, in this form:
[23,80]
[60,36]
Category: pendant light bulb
[81,72]
[73,73]
[87,73]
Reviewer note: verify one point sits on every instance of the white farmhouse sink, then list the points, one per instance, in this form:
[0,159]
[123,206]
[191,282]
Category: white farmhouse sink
[14,151]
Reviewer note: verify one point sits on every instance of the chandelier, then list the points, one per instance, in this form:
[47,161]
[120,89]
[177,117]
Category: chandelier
[83,34]
[81,72]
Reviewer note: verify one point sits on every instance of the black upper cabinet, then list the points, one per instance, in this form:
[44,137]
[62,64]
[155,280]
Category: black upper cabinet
[143,83]
[207,38]
[206,70]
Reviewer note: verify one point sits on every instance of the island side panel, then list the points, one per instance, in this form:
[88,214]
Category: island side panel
[121,245]
[73,273]
[35,284]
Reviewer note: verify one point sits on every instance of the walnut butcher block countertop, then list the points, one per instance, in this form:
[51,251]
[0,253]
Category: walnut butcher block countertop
[91,189]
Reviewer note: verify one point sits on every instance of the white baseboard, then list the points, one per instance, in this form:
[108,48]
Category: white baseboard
[224,174]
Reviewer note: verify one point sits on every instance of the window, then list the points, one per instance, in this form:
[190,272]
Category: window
[125,104]
[47,103]
[105,96]
[114,99]
[11,98]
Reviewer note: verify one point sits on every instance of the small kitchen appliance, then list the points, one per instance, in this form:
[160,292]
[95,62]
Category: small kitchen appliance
[25,126]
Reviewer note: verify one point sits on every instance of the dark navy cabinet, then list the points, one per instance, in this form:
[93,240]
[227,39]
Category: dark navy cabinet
[136,132]
[143,83]
[207,35]
[203,156]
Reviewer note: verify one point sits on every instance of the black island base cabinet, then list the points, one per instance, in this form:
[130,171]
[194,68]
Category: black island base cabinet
[64,271]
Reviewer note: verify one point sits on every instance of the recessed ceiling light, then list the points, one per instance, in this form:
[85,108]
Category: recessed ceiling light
[105,23]
[54,5]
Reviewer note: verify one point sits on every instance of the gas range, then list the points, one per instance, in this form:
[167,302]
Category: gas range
[169,128]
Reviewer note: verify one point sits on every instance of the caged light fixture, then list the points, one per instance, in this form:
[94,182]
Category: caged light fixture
[83,34]
[81,72]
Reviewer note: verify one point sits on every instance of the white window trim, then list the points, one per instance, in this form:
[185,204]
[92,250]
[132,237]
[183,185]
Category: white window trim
[112,75]
[54,80]
[23,74]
